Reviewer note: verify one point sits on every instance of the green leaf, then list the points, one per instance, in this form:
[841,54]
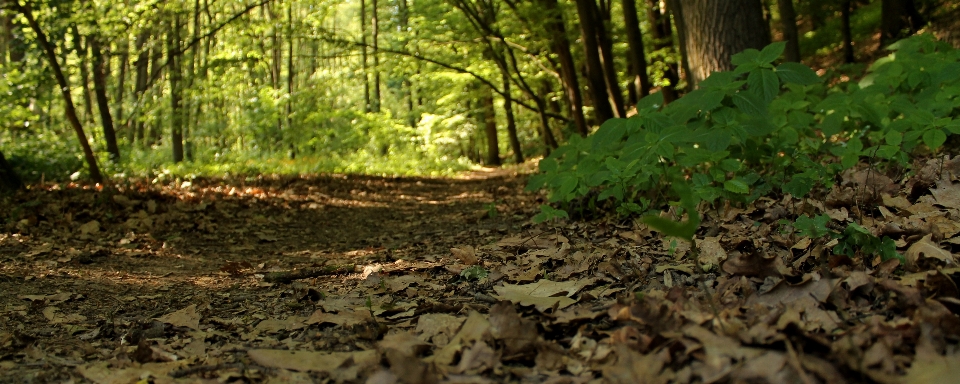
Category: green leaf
[549,213]
[799,186]
[736,186]
[831,124]
[750,104]
[797,73]
[650,103]
[934,138]
[750,56]
[771,52]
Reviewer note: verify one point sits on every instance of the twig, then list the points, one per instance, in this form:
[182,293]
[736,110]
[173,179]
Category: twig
[297,274]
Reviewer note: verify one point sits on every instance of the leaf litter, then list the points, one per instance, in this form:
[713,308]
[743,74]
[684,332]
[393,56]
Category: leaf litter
[377,280]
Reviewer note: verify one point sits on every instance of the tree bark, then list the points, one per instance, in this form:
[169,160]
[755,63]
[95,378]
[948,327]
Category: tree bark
[511,120]
[490,128]
[81,51]
[136,133]
[375,38]
[69,107]
[788,19]
[176,91]
[614,94]
[662,31]
[363,56]
[9,180]
[716,30]
[640,86]
[122,77]
[898,19]
[603,111]
[100,88]
[845,32]
[568,70]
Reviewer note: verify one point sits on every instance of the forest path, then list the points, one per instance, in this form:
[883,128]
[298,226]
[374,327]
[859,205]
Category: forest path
[104,263]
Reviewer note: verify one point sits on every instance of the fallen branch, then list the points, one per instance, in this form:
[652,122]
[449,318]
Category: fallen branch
[297,274]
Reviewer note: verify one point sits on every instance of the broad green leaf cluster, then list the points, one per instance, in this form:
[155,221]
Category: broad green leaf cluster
[761,128]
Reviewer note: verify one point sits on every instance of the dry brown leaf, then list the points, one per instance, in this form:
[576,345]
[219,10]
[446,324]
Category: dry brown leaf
[926,248]
[544,294]
[346,318]
[517,334]
[186,317]
[466,254]
[312,361]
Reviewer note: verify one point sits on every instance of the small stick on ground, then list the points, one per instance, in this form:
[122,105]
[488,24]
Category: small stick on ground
[297,274]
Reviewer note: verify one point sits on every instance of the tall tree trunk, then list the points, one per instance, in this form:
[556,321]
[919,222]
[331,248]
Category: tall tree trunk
[603,111]
[549,140]
[375,38]
[69,108]
[100,88]
[568,70]
[898,19]
[717,29]
[136,133]
[845,32]
[176,90]
[490,128]
[9,180]
[291,77]
[788,18]
[675,10]
[508,110]
[638,59]
[614,94]
[662,30]
[124,60]
[81,50]
[363,56]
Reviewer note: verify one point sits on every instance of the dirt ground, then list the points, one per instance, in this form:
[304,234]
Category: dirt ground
[416,280]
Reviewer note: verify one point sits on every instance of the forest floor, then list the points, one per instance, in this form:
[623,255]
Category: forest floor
[419,280]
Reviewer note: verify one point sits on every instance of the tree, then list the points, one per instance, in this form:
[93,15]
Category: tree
[9,181]
[560,45]
[788,18]
[603,110]
[69,108]
[662,30]
[898,19]
[176,90]
[715,30]
[640,86]
[103,104]
[845,31]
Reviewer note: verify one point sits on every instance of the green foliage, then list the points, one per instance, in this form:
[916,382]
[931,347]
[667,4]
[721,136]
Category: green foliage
[475,272]
[761,128]
[856,239]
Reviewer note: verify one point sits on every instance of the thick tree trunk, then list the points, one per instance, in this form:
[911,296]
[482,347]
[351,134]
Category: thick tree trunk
[69,107]
[568,70]
[898,19]
[674,10]
[662,31]
[9,181]
[490,128]
[717,29]
[788,19]
[176,91]
[603,111]
[640,86]
[845,9]
[100,88]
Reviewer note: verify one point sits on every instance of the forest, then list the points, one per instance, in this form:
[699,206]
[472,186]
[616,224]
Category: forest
[478,191]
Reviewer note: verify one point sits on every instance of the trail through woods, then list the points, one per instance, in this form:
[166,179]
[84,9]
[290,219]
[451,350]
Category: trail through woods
[383,280]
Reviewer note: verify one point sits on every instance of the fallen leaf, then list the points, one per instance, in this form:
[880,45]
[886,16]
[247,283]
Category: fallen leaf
[186,317]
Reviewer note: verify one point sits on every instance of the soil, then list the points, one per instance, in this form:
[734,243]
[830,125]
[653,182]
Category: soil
[343,278]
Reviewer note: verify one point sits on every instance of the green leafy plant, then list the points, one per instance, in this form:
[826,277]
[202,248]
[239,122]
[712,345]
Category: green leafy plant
[474,272]
[761,128]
